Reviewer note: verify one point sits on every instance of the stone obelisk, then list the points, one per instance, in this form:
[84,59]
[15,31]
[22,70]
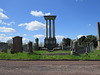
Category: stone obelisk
[98,27]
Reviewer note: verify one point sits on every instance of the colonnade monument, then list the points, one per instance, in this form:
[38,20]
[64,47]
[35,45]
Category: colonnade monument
[50,40]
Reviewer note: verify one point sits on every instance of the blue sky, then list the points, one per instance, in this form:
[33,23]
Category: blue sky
[25,18]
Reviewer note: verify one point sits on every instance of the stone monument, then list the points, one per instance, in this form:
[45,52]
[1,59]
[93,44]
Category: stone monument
[98,26]
[17,44]
[36,45]
[50,41]
[30,47]
[4,46]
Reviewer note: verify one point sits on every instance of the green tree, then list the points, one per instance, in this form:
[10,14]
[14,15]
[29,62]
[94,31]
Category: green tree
[67,41]
[91,38]
[81,40]
[88,39]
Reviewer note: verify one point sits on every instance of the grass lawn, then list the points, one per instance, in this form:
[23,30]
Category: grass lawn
[35,55]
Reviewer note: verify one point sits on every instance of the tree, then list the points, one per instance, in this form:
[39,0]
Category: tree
[67,41]
[88,39]
[81,40]
[91,38]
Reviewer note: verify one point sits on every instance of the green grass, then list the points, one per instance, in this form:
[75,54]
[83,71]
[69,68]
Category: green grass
[35,55]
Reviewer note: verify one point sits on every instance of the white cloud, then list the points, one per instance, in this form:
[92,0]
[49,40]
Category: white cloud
[1,10]
[38,13]
[8,24]
[7,30]
[4,38]
[89,24]
[2,35]
[33,25]
[2,16]
[10,41]
[38,36]
[25,40]
[79,36]
[25,34]
[59,37]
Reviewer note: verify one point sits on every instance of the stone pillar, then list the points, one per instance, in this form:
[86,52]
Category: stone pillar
[49,28]
[98,34]
[98,25]
[46,28]
[53,28]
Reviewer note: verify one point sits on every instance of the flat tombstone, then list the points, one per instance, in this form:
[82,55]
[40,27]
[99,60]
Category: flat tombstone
[17,44]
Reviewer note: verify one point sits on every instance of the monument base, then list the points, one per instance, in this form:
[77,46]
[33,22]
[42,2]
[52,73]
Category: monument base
[98,48]
[50,43]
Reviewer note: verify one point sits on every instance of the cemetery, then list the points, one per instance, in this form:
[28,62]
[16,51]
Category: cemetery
[84,48]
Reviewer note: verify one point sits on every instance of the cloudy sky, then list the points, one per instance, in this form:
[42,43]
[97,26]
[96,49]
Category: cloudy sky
[25,18]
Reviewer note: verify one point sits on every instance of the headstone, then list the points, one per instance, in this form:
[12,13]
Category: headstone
[17,44]
[77,49]
[25,47]
[91,47]
[63,44]
[74,46]
[4,46]
[30,47]
[36,40]
[36,46]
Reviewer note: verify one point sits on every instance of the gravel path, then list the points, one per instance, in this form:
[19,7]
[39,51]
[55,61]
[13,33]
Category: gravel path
[49,67]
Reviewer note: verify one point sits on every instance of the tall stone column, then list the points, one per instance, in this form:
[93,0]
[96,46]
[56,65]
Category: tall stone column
[98,25]
[46,28]
[53,28]
[49,28]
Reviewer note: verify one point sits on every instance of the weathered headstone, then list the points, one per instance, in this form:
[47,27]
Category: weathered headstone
[77,49]
[30,47]
[36,45]
[17,44]
[36,40]
[74,47]
[91,47]
[25,47]
[4,46]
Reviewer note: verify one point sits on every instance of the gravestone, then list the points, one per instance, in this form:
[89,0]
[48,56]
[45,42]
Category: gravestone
[30,47]
[25,47]
[77,49]
[36,40]
[36,45]
[63,44]
[4,46]
[91,47]
[17,44]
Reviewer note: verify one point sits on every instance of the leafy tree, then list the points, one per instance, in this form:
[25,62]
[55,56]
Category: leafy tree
[67,41]
[88,39]
[91,38]
[81,40]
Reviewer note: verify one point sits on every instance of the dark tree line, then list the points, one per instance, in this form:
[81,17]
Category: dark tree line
[83,40]
[88,39]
